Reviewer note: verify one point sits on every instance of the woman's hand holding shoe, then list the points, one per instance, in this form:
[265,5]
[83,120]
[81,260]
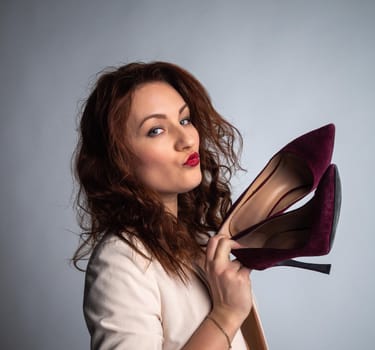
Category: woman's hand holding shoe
[231,294]
[229,283]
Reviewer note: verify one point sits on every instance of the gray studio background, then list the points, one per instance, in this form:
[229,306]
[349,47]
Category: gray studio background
[276,69]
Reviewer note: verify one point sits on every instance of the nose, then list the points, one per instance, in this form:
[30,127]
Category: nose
[185,138]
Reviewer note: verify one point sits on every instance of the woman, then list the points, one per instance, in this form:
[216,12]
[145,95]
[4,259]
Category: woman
[153,164]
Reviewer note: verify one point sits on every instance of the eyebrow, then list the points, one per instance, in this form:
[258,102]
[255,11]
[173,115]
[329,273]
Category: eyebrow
[160,116]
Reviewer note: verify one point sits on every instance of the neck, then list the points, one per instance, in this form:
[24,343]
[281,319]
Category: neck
[171,205]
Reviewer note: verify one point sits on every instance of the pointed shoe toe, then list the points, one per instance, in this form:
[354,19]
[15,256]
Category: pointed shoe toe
[306,231]
[291,174]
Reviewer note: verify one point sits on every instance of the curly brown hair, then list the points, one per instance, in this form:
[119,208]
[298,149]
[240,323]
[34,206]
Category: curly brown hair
[110,198]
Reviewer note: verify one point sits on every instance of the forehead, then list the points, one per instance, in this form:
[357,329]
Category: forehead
[154,98]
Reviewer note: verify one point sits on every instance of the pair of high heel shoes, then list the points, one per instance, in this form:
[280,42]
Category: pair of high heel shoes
[258,221]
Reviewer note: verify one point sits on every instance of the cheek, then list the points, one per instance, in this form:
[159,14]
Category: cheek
[152,168]
[196,136]
[150,158]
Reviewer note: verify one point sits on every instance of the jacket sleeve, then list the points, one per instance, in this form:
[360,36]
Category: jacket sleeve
[122,305]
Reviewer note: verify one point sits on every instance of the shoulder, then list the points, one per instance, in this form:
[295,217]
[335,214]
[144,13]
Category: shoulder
[112,250]
[122,300]
[115,271]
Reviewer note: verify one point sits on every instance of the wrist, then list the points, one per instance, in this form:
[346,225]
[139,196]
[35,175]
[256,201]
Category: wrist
[229,321]
[222,330]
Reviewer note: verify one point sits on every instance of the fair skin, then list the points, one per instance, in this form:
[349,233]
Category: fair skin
[163,138]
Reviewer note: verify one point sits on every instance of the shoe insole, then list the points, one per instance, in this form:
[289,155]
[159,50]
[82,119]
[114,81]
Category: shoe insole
[282,182]
[288,231]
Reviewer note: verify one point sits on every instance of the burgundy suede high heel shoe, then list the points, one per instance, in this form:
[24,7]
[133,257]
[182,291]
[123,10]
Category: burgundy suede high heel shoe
[291,174]
[306,231]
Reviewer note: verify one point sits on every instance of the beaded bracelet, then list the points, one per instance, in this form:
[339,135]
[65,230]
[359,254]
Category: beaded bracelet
[222,330]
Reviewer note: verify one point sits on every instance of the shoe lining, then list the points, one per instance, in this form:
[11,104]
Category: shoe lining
[289,231]
[283,181]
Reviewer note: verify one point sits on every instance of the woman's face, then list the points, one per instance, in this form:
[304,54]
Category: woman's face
[164,140]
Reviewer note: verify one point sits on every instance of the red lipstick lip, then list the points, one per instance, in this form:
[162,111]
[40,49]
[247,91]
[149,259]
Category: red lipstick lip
[193,160]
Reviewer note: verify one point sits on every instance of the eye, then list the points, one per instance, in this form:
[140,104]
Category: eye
[185,121]
[155,132]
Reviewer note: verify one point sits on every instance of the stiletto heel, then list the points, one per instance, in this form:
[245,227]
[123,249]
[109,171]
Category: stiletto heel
[292,173]
[322,268]
[306,231]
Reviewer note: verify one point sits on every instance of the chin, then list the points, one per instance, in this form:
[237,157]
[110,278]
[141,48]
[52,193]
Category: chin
[193,184]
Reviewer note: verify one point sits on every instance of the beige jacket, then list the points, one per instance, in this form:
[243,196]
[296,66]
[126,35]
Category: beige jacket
[131,303]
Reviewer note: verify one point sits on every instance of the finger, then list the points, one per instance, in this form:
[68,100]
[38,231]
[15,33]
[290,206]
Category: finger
[242,266]
[245,270]
[223,249]
[211,247]
[236,265]
[238,245]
